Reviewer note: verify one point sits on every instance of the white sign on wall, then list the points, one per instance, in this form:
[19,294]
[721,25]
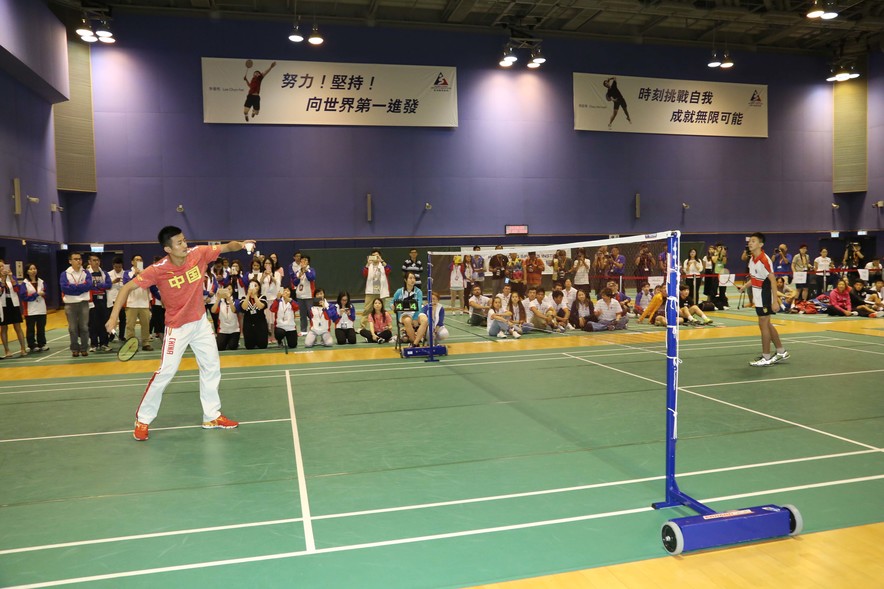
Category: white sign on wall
[626,104]
[247,91]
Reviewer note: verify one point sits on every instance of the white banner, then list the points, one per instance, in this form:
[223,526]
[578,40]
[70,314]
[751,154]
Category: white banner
[318,93]
[672,107]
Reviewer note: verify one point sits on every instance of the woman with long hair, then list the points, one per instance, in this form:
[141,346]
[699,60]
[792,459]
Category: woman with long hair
[518,314]
[379,323]
[34,295]
[343,315]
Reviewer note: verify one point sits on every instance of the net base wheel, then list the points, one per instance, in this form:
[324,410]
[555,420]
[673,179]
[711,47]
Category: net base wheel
[673,539]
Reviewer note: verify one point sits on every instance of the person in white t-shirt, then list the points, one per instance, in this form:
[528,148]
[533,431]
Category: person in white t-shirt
[34,305]
[541,311]
[343,314]
[821,266]
[116,277]
[228,319]
[608,312]
[479,305]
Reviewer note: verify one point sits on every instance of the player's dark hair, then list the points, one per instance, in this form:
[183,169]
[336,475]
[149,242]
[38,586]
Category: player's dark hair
[341,295]
[118,260]
[166,234]
[759,236]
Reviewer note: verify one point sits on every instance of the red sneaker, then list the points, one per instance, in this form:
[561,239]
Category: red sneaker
[220,422]
[140,431]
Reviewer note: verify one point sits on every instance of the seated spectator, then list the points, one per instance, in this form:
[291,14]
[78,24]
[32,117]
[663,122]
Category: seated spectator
[540,310]
[283,310]
[343,314]
[561,311]
[655,309]
[643,298]
[874,268]
[479,305]
[839,301]
[505,294]
[582,312]
[859,301]
[609,313]
[688,311]
[379,323]
[228,319]
[620,297]
[254,323]
[410,294]
[320,322]
[520,319]
[500,323]
[570,292]
[440,332]
[786,294]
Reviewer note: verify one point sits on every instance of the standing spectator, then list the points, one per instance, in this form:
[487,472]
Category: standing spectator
[478,276]
[600,264]
[137,305]
[304,283]
[343,314]
[644,263]
[76,283]
[158,311]
[228,319]
[379,323]
[479,305]
[456,284]
[377,283]
[874,268]
[693,270]
[720,268]
[284,309]
[414,265]
[581,271]
[33,293]
[497,266]
[710,282]
[663,264]
[534,267]
[237,281]
[210,293]
[562,266]
[468,281]
[617,267]
[255,271]
[782,261]
[515,272]
[98,312]
[116,276]
[254,323]
[271,282]
[296,262]
[852,261]
[821,266]
[11,313]
[801,263]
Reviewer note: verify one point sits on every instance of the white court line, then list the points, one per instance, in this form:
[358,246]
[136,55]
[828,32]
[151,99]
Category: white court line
[848,349]
[447,503]
[129,431]
[782,378]
[302,475]
[734,405]
[426,538]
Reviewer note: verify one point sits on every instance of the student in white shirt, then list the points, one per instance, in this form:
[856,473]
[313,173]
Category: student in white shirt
[343,314]
[34,304]
[284,309]
[320,322]
[138,305]
[500,323]
[228,319]
[116,277]
[479,305]
[457,281]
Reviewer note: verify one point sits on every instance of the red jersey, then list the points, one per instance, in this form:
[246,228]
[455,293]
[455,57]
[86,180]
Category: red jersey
[181,287]
[255,85]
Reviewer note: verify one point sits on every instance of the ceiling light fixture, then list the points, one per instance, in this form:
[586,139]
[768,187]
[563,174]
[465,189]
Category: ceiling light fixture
[829,10]
[713,60]
[726,61]
[816,9]
[315,38]
[296,36]
[537,57]
[85,29]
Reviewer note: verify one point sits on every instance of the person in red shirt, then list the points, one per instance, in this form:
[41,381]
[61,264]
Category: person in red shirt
[179,278]
[253,100]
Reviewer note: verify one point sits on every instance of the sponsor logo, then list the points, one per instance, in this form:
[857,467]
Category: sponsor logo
[733,513]
[756,99]
[441,83]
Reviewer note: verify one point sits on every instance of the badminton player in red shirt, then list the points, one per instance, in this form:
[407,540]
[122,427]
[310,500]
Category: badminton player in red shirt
[179,278]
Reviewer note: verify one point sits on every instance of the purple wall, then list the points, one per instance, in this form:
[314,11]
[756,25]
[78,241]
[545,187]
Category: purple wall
[875,220]
[515,157]
[33,48]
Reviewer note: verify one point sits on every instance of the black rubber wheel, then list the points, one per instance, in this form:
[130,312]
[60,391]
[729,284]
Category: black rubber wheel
[673,539]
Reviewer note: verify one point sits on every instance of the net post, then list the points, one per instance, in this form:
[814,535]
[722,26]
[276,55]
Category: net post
[674,496]
[430,327]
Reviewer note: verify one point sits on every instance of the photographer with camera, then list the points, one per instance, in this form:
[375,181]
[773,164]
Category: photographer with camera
[377,284]
[782,261]
[852,261]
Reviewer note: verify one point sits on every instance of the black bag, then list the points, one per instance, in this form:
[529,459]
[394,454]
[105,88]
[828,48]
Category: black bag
[706,306]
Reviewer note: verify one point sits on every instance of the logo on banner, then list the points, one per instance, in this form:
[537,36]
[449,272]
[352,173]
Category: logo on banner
[441,83]
[756,99]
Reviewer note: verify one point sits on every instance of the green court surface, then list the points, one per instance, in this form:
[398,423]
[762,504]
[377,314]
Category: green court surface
[400,473]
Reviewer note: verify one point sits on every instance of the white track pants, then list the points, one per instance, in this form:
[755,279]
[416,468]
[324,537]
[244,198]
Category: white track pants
[198,335]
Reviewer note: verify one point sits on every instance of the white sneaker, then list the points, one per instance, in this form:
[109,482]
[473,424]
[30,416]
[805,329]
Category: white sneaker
[763,362]
[516,335]
[854,313]
[501,335]
[725,308]
[780,357]
[569,327]
[394,339]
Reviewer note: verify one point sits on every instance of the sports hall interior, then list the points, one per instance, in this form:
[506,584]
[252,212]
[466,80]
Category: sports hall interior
[506,464]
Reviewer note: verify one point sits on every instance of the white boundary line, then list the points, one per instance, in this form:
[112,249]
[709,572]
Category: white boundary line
[302,475]
[427,538]
[734,405]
